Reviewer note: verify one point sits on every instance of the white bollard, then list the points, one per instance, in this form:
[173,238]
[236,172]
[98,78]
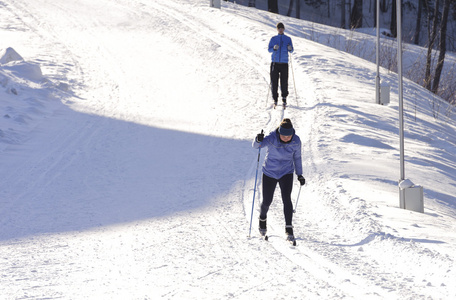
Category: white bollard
[411,196]
[384,94]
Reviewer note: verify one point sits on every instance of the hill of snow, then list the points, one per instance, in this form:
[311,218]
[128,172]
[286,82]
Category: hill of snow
[128,173]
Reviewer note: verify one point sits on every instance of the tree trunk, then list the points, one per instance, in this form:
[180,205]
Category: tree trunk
[432,37]
[298,9]
[375,13]
[273,6]
[442,46]
[290,8]
[342,16]
[383,6]
[416,38]
[393,25]
[356,20]
[329,8]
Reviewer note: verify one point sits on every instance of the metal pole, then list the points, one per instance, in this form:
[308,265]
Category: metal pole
[254,188]
[294,83]
[377,78]
[297,199]
[401,101]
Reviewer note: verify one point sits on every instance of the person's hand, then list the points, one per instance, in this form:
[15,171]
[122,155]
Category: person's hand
[260,137]
[301,179]
[290,48]
[276,47]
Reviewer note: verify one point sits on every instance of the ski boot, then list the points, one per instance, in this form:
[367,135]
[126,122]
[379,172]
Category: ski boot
[263,229]
[290,235]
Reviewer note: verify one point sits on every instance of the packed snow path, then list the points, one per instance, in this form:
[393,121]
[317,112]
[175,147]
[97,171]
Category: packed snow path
[138,182]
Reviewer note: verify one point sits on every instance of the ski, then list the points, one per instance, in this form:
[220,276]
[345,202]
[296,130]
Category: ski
[292,240]
[264,235]
[284,106]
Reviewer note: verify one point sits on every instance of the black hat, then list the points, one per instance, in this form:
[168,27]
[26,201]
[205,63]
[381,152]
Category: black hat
[280,25]
[286,128]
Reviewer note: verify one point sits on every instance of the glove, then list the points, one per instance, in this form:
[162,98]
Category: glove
[276,47]
[301,179]
[290,48]
[260,137]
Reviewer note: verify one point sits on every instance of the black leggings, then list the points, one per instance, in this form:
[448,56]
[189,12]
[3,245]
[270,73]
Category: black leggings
[279,71]
[286,185]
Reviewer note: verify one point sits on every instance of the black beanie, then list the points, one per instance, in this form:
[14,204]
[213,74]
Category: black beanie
[280,25]
[286,128]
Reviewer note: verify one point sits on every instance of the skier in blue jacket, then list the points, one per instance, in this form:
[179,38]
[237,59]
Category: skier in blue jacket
[279,46]
[283,158]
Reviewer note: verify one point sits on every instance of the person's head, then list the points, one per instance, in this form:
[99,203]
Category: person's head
[286,130]
[280,28]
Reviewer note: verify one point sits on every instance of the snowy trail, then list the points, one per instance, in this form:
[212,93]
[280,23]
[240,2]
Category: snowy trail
[140,184]
[96,177]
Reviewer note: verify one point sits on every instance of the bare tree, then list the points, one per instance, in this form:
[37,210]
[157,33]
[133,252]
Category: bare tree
[442,46]
[329,8]
[383,6]
[342,16]
[290,8]
[416,38]
[356,20]
[298,9]
[393,25]
[432,37]
[273,6]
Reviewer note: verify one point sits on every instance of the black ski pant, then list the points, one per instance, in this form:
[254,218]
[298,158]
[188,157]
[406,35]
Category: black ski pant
[279,71]
[286,185]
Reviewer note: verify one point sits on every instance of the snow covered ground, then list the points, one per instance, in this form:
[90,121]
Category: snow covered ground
[127,170]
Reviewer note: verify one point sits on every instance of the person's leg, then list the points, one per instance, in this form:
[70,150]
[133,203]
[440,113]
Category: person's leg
[269,185]
[284,81]
[274,81]
[286,186]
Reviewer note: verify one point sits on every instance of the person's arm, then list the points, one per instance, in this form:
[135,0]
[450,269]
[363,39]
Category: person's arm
[271,45]
[290,46]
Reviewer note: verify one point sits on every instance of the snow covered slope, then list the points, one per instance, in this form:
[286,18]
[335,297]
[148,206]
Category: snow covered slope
[127,168]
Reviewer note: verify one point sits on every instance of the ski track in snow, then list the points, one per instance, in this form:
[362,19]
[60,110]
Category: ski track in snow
[139,184]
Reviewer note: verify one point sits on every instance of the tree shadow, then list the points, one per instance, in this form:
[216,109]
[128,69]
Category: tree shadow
[385,236]
[98,171]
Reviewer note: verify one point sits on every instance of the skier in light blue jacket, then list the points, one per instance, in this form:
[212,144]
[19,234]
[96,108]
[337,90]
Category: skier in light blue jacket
[283,158]
[279,46]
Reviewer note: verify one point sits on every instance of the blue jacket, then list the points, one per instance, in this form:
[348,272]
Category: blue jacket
[281,158]
[281,55]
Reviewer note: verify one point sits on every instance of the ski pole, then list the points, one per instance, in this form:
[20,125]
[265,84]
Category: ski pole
[297,199]
[294,83]
[270,79]
[254,188]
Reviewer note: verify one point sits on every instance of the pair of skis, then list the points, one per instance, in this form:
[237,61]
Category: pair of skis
[291,239]
[284,105]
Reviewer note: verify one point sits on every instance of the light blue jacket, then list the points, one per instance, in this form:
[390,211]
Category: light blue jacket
[280,55]
[281,158]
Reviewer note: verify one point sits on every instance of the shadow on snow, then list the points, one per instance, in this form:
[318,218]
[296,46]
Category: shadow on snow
[99,171]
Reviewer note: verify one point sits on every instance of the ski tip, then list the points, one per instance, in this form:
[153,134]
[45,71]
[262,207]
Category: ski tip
[266,238]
